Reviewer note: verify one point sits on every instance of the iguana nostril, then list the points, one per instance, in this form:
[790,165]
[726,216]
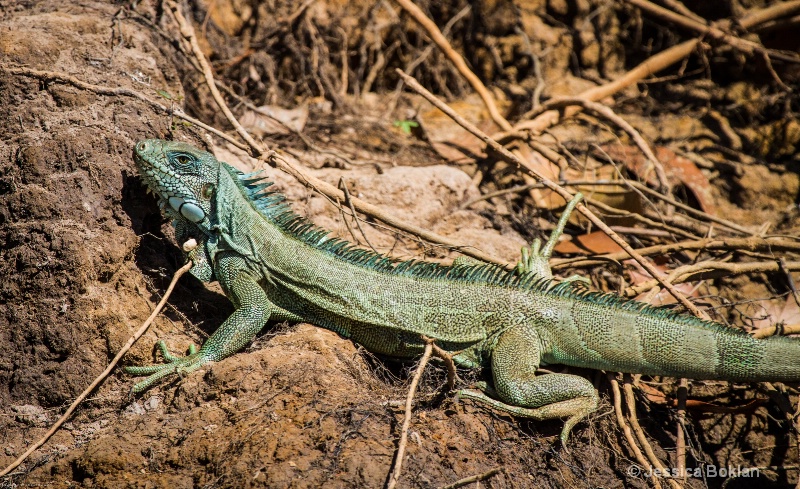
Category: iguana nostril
[141,146]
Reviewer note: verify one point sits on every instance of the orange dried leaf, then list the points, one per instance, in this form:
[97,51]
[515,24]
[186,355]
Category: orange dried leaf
[594,243]
[679,170]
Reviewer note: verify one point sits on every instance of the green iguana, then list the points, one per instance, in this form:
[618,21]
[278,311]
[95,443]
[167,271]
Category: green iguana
[274,264]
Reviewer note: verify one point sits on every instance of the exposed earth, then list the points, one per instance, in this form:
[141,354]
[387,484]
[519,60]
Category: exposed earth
[85,254]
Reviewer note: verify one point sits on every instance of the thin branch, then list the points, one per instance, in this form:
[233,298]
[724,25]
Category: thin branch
[626,430]
[646,221]
[475,478]
[630,402]
[680,439]
[447,358]
[753,244]
[778,10]
[100,378]
[412,390]
[711,31]
[652,65]
[622,184]
[762,333]
[712,269]
[700,214]
[187,31]
[606,112]
[511,158]
[789,280]
[349,202]
[436,35]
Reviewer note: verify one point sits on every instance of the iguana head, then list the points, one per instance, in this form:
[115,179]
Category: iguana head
[182,176]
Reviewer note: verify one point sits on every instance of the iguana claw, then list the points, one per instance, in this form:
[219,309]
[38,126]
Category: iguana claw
[174,365]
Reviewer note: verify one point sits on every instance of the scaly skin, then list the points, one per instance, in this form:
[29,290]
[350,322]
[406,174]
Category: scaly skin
[274,265]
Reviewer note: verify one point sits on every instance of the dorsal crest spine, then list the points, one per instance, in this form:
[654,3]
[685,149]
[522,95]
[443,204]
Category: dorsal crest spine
[272,206]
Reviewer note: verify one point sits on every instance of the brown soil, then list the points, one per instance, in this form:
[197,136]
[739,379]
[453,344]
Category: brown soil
[85,253]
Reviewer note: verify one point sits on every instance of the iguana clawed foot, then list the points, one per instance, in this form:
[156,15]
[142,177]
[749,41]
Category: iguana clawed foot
[175,365]
[581,402]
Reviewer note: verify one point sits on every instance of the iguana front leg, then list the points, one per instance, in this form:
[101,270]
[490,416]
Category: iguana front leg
[253,309]
[515,358]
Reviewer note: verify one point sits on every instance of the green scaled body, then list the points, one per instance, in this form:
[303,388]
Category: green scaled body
[274,264]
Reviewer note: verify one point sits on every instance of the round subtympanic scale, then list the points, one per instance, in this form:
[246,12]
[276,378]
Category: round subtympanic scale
[192,212]
[176,203]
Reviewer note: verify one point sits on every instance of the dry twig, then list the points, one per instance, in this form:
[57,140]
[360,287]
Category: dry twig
[412,390]
[630,403]
[511,158]
[711,31]
[626,430]
[753,244]
[100,378]
[474,478]
[606,112]
[711,269]
[680,441]
[187,31]
[455,58]
[771,330]
[447,358]
[650,66]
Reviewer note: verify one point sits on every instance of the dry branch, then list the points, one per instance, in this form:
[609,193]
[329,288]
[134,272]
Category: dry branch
[626,430]
[606,112]
[475,478]
[652,65]
[511,158]
[412,390]
[630,402]
[712,269]
[455,58]
[105,373]
[711,31]
[753,244]
[187,31]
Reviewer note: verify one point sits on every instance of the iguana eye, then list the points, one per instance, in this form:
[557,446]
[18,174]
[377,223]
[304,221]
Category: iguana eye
[207,190]
[183,159]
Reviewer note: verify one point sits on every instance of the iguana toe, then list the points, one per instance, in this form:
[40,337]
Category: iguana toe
[174,365]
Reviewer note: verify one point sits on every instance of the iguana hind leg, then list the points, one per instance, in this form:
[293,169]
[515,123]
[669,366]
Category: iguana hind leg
[536,259]
[515,359]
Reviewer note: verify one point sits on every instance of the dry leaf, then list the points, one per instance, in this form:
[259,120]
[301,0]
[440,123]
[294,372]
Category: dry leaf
[679,170]
[594,243]
[772,314]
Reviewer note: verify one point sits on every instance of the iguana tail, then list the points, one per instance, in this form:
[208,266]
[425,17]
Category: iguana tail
[637,338]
